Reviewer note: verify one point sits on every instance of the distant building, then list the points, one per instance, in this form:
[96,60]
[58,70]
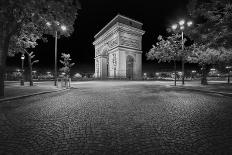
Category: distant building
[118,49]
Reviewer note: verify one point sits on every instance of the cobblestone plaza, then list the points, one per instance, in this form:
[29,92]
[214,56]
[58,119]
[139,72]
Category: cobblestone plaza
[117,118]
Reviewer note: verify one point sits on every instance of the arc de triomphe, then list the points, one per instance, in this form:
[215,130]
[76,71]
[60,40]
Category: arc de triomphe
[118,49]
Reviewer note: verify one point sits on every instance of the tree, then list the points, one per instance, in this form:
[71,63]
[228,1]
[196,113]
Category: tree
[66,64]
[207,57]
[212,22]
[167,50]
[30,63]
[212,34]
[22,22]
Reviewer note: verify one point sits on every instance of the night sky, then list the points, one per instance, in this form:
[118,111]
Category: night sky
[156,16]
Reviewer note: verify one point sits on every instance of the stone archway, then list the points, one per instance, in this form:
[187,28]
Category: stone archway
[105,63]
[121,37]
[129,67]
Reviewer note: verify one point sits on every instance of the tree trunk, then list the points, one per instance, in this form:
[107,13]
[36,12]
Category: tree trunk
[2,71]
[183,72]
[205,71]
[175,71]
[4,44]
[30,70]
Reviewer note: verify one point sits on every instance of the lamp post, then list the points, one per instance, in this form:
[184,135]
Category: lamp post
[57,26]
[228,68]
[22,78]
[181,26]
[192,72]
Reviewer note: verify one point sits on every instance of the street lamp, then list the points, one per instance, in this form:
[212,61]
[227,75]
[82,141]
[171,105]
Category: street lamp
[22,79]
[192,72]
[228,68]
[181,26]
[57,26]
[212,69]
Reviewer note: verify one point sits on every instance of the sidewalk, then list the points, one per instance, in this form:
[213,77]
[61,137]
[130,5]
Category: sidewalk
[219,87]
[13,90]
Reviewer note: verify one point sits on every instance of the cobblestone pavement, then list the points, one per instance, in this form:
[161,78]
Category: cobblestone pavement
[117,118]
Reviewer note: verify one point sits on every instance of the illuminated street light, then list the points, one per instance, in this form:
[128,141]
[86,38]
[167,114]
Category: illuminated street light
[22,78]
[212,69]
[174,27]
[192,72]
[48,24]
[23,57]
[182,22]
[228,68]
[181,26]
[189,23]
[62,28]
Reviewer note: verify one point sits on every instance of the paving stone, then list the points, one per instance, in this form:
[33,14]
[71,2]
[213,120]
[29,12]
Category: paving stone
[114,118]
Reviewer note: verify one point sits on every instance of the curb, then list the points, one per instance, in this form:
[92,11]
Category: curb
[208,91]
[29,95]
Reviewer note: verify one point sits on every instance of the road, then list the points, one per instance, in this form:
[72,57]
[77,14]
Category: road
[117,118]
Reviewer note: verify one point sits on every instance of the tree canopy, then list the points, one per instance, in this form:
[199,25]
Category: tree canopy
[213,20]
[24,21]
[204,55]
[167,49]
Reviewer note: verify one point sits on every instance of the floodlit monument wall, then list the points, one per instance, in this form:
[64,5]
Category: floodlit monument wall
[118,49]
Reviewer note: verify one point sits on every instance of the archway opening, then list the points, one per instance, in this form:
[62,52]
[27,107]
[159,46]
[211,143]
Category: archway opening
[105,63]
[129,67]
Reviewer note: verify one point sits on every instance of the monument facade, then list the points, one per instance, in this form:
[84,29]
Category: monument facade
[118,49]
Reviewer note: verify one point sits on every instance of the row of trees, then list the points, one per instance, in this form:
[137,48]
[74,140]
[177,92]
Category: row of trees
[65,61]
[211,38]
[23,22]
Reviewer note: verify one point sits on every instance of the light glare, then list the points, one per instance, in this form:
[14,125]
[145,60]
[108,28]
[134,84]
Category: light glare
[48,24]
[174,27]
[189,23]
[181,22]
[63,28]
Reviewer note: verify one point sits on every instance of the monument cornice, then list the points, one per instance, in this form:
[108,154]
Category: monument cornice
[118,19]
[129,49]
[107,35]
[118,27]
[126,28]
